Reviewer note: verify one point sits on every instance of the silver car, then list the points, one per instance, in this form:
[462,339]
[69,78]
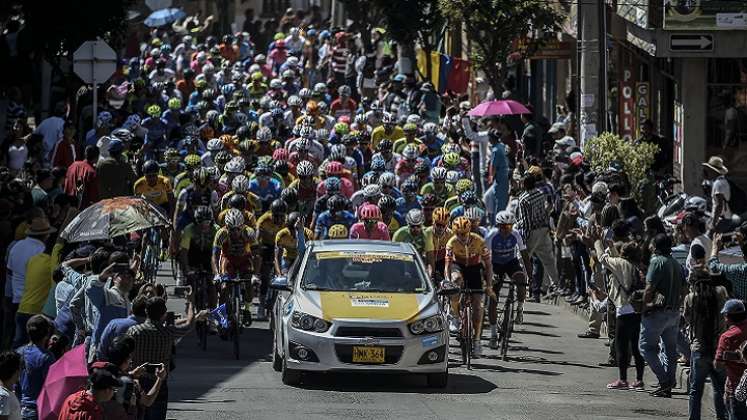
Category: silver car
[364,306]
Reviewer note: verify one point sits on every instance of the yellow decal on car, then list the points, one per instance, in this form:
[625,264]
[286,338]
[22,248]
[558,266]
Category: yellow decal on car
[379,306]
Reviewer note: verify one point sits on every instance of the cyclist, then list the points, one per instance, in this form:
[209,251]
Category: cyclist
[415,234]
[506,245]
[305,184]
[155,187]
[268,225]
[467,263]
[240,186]
[184,178]
[389,214]
[385,153]
[286,244]
[370,226]
[336,214]
[196,244]
[410,199]
[265,187]
[441,234]
[410,130]
[238,202]
[438,186]
[387,130]
[199,193]
[233,257]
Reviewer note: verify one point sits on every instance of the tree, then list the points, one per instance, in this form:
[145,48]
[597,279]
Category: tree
[365,15]
[493,26]
[414,21]
[57,28]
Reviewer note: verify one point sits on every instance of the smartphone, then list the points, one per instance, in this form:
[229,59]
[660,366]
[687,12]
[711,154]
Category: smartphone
[119,267]
[153,367]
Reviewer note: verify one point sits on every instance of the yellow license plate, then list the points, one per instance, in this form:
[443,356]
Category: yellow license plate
[368,354]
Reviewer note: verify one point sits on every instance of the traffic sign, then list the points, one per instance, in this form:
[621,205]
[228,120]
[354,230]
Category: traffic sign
[691,42]
[94,61]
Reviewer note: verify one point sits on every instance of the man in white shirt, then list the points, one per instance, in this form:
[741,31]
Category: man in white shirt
[51,129]
[693,228]
[716,171]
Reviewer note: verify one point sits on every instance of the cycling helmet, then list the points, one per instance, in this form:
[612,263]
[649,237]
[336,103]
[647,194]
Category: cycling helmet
[451,159]
[235,165]
[281,167]
[341,128]
[413,119]
[430,128]
[264,135]
[463,185]
[203,214]
[332,184]
[461,225]
[322,134]
[122,134]
[288,74]
[696,203]
[439,173]
[385,144]
[378,164]
[276,84]
[240,184]
[370,212]
[387,118]
[410,152]
[303,145]
[421,167]
[410,128]
[410,185]
[320,88]
[333,168]
[295,101]
[234,218]
[151,167]
[171,155]
[387,179]
[280,154]
[337,232]
[350,139]
[228,89]
[468,198]
[222,158]
[452,177]
[474,213]
[214,145]
[307,132]
[505,218]
[304,93]
[371,191]
[336,203]
[192,161]
[175,103]
[429,201]
[237,201]
[387,203]
[262,170]
[368,179]
[259,58]
[338,151]
[440,216]
[290,196]
[154,111]
[277,113]
[278,207]
[450,148]
[415,217]
[200,176]
[344,90]
[305,168]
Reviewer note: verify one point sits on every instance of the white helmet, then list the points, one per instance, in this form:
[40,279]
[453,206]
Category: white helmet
[276,84]
[294,101]
[696,203]
[214,145]
[236,165]
[305,168]
[430,128]
[505,218]
[240,184]
[415,217]
[387,179]
[234,218]
[264,134]
[413,119]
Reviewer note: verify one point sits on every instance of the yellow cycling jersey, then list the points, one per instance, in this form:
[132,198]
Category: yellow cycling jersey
[469,253]
[268,230]
[158,193]
[287,242]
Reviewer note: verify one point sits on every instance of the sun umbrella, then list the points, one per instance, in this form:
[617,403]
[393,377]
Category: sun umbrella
[500,107]
[65,376]
[164,17]
[113,217]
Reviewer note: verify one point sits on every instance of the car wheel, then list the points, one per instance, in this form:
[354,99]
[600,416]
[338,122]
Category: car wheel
[289,376]
[438,380]
[277,362]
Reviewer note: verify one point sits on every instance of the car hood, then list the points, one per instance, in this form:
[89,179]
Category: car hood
[363,305]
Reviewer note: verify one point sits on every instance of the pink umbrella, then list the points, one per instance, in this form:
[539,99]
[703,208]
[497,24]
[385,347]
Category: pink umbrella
[65,376]
[500,107]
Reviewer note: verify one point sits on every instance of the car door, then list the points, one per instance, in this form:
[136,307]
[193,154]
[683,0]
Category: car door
[280,301]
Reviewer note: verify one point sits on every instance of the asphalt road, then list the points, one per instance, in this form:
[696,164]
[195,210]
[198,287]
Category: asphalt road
[550,374]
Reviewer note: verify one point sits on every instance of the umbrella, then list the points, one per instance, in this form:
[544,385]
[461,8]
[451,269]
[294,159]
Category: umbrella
[65,376]
[113,217]
[500,107]
[164,17]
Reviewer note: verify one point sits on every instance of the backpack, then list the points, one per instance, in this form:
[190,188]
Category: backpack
[738,199]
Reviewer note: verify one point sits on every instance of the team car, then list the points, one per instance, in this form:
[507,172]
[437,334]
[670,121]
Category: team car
[360,306]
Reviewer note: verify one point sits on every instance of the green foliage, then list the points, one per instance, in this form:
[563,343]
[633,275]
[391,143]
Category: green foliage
[492,26]
[59,27]
[636,158]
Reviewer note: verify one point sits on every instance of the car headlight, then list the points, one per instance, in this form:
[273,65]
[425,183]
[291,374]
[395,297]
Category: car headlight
[306,322]
[427,325]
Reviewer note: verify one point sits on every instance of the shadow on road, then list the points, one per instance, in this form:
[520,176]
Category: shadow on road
[540,333]
[459,383]
[531,350]
[541,361]
[505,369]
[256,346]
[537,324]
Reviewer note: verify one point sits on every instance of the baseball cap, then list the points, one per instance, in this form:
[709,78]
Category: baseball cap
[733,306]
[556,128]
[600,187]
[566,141]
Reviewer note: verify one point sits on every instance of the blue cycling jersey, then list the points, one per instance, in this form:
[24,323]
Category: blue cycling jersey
[504,249]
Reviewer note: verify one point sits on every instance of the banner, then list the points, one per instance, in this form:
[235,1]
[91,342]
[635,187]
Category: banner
[626,119]
[693,15]
[642,105]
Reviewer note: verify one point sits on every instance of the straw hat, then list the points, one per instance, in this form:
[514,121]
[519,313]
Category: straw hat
[717,164]
[39,226]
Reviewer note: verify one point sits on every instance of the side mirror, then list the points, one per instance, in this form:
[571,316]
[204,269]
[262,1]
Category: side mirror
[280,283]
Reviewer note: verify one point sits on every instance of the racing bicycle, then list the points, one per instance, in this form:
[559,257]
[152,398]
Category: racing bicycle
[234,311]
[199,281]
[506,323]
[466,336]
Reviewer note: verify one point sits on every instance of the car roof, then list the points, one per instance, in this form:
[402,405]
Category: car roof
[362,245]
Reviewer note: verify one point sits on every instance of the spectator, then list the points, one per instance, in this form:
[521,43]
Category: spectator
[729,357]
[118,327]
[40,191]
[80,179]
[109,302]
[37,283]
[51,130]
[665,286]
[36,362]
[87,404]
[115,176]
[65,151]
[10,371]
[736,273]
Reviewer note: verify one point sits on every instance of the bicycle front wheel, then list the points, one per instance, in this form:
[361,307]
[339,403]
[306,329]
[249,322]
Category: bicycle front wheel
[507,328]
[236,329]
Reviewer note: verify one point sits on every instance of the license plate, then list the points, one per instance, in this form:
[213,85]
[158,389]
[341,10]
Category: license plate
[368,354]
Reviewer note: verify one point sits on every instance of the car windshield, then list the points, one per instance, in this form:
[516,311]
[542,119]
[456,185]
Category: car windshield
[363,271]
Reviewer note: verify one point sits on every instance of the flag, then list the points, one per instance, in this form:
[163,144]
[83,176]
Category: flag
[458,78]
[221,315]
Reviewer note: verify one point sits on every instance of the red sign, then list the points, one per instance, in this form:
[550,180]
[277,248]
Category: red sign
[626,119]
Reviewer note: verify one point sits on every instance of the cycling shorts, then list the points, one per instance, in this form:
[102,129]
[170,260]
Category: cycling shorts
[507,269]
[471,274]
[236,266]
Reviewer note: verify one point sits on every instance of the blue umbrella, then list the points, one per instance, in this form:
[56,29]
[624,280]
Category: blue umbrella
[164,17]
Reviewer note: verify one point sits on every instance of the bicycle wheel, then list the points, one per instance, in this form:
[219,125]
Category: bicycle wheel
[507,327]
[469,334]
[236,327]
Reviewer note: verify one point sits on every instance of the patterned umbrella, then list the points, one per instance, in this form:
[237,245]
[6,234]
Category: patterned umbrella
[500,107]
[164,17]
[114,217]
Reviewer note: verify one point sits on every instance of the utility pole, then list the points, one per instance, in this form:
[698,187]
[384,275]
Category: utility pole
[592,47]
